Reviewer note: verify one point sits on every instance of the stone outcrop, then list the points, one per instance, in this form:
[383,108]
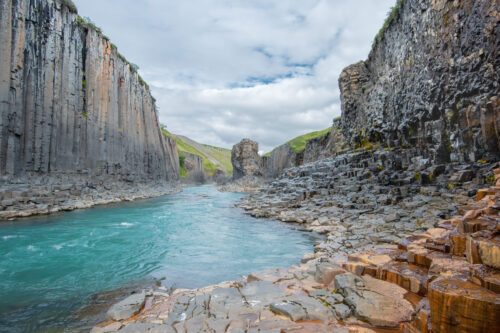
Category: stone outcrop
[430,82]
[245,159]
[71,107]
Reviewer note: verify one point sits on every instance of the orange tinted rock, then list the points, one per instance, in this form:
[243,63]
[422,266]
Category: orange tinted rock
[422,320]
[475,225]
[416,239]
[459,306]
[419,255]
[486,277]
[458,242]
[482,250]
[411,278]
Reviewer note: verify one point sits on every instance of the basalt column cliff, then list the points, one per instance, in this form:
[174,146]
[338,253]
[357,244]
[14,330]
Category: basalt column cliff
[71,107]
[431,82]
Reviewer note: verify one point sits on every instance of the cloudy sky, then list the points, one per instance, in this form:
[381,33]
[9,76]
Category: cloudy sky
[222,70]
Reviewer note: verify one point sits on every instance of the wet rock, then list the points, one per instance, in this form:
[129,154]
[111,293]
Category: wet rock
[128,307]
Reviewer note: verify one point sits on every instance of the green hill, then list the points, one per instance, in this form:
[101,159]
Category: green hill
[299,143]
[213,157]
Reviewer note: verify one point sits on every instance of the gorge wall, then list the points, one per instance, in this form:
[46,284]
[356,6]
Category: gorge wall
[318,148]
[430,83]
[70,104]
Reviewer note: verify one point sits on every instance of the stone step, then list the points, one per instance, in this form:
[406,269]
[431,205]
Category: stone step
[484,248]
[409,277]
[461,306]
[486,277]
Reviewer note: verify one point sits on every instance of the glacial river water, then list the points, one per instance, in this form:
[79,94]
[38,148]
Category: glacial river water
[59,273]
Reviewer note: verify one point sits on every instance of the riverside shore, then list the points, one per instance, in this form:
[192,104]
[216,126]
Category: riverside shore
[390,262]
[26,197]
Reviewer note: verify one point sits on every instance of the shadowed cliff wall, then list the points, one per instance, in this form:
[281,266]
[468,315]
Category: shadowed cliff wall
[70,104]
[431,82]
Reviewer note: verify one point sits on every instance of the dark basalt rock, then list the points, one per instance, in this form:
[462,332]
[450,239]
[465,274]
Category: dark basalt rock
[431,83]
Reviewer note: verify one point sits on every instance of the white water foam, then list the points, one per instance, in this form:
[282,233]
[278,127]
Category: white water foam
[126,224]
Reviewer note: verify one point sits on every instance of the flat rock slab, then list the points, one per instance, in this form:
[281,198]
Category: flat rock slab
[127,308]
[376,302]
[147,328]
[303,308]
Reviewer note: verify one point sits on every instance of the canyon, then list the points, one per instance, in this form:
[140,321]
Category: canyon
[409,202]
[405,186]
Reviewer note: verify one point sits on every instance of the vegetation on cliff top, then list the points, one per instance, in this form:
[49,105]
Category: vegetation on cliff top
[88,24]
[71,6]
[222,155]
[392,17]
[299,143]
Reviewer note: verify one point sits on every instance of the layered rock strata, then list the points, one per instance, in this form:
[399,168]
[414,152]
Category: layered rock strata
[71,107]
[430,82]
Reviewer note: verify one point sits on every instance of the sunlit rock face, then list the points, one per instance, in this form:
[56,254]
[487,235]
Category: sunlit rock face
[430,83]
[70,104]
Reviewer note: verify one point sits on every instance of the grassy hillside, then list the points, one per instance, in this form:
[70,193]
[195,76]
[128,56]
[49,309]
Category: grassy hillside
[299,143]
[213,157]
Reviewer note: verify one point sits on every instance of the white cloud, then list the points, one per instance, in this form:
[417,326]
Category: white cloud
[222,70]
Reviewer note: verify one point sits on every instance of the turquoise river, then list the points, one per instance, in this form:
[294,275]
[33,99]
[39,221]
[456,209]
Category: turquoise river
[60,273]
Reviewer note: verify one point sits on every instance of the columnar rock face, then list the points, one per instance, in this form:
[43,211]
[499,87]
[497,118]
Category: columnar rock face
[281,158]
[245,159]
[431,82]
[70,104]
[284,157]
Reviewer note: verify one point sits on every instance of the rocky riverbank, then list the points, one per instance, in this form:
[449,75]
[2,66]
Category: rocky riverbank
[41,196]
[394,256]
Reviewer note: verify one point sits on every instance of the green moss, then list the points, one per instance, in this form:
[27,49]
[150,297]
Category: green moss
[84,83]
[417,176]
[482,161]
[380,168]
[450,186]
[490,179]
[85,115]
[432,176]
[183,172]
